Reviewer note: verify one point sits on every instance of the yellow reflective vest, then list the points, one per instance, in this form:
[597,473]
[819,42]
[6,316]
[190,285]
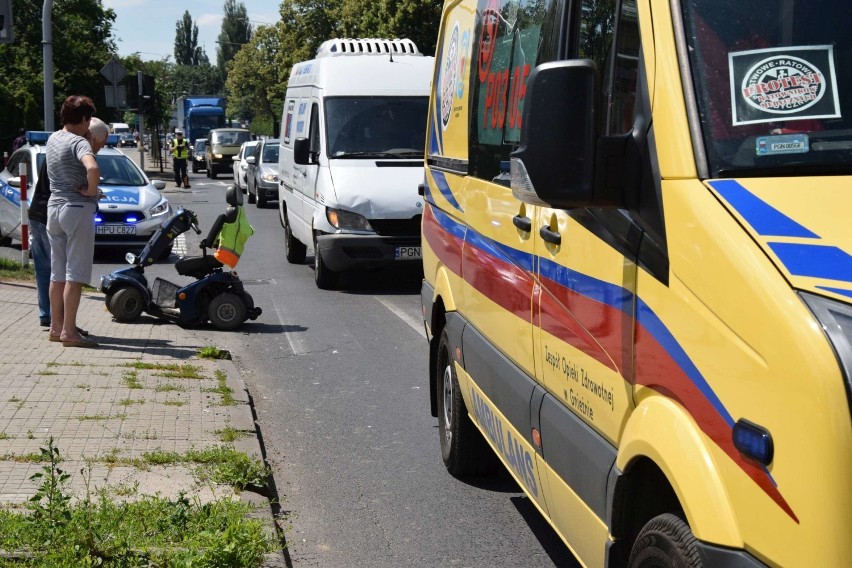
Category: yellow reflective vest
[232,239]
[180,148]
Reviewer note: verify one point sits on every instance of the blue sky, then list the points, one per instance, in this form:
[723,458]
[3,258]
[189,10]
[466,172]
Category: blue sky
[148,26]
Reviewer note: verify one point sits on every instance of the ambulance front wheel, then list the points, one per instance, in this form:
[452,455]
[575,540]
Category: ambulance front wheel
[666,540]
[324,277]
[463,449]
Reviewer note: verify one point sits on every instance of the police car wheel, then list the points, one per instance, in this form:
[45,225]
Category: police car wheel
[226,311]
[666,540]
[463,449]
[126,304]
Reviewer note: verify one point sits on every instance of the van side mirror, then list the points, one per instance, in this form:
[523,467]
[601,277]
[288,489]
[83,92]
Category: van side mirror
[302,151]
[555,162]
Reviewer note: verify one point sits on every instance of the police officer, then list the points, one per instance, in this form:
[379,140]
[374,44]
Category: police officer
[180,152]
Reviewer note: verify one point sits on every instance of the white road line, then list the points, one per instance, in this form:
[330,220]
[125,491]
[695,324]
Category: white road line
[413,323]
[297,344]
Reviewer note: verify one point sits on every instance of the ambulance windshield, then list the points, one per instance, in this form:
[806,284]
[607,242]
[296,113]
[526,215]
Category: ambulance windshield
[371,127]
[773,85]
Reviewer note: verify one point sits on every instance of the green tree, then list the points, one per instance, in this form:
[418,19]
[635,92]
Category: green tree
[417,20]
[82,43]
[236,31]
[187,51]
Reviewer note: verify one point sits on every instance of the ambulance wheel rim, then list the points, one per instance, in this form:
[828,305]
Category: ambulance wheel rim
[448,404]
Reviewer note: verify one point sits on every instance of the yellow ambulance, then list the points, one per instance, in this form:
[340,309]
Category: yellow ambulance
[637,246]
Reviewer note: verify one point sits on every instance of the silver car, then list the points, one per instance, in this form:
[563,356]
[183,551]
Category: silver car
[240,165]
[130,211]
[262,173]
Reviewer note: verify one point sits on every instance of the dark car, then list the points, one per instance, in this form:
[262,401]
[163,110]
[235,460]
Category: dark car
[262,174]
[199,160]
[126,139]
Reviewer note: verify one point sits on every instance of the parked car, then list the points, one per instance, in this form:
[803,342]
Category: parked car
[222,145]
[126,139]
[199,160]
[262,173]
[131,210]
[240,165]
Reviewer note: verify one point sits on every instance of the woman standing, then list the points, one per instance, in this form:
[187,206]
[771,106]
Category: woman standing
[74,174]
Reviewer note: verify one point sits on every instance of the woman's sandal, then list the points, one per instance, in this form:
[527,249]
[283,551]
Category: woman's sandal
[55,338]
[78,343]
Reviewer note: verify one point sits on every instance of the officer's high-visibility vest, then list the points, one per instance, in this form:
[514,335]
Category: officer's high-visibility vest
[180,148]
[232,239]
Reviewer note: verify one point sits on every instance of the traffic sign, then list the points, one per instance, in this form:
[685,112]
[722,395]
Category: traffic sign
[114,71]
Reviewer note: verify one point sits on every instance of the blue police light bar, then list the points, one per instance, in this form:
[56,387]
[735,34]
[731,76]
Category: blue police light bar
[112,140]
[753,441]
[37,137]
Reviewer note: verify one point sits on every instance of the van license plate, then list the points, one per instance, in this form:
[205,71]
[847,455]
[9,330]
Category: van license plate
[115,230]
[408,253]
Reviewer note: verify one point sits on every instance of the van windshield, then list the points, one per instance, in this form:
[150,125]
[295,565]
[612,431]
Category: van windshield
[371,127]
[773,85]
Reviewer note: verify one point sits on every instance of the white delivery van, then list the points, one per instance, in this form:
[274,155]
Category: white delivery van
[352,142]
[119,127]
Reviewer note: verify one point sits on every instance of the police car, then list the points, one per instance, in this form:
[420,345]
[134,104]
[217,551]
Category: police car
[131,210]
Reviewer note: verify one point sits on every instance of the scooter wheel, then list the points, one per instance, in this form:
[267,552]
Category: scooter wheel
[126,304]
[227,311]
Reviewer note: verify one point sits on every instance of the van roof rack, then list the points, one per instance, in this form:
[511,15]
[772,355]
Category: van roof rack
[368,46]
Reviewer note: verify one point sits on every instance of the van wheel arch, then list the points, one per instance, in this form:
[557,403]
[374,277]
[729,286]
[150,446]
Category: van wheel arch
[641,493]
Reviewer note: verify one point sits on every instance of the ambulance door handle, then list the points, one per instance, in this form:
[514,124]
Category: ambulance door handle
[522,223]
[549,236]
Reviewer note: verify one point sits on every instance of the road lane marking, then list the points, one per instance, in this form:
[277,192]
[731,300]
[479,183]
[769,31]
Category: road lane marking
[413,323]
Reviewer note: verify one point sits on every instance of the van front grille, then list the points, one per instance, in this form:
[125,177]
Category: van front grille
[397,227]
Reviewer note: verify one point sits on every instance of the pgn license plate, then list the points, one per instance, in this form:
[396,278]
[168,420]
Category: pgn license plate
[408,253]
[115,230]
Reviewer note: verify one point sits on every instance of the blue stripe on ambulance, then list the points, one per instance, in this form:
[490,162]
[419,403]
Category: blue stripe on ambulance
[764,219]
[10,193]
[815,261]
[444,188]
[840,291]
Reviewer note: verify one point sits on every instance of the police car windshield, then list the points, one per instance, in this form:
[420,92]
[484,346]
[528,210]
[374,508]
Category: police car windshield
[773,85]
[119,170]
[376,127]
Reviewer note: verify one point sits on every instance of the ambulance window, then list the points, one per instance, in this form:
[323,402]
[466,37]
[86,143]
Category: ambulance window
[511,39]
[625,71]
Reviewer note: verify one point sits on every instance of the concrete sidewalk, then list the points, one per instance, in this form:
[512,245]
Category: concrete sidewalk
[103,411]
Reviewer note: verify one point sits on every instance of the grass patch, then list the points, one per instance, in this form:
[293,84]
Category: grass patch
[223,389]
[220,464]
[99,417]
[231,434]
[12,270]
[174,403]
[131,379]
[152,531]
[131,401]
[211,352]
[5,436]
[168,387]
[46,373]
[171,370]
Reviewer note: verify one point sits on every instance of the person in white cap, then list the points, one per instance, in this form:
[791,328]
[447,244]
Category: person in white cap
[180,153]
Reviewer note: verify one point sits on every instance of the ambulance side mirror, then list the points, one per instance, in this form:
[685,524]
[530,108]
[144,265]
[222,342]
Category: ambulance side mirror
[555,162]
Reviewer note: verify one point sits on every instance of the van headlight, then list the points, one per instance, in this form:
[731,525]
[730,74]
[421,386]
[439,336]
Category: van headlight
[160,208]
[836,320]
[347,220]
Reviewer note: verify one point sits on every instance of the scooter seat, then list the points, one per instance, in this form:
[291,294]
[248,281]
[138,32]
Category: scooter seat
[197,266]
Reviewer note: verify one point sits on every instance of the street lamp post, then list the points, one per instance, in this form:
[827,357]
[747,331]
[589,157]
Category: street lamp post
[47,63]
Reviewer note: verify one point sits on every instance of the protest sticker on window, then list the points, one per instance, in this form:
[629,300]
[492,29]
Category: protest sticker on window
[783,83]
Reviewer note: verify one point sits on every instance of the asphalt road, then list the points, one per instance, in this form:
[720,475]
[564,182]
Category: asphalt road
[339,382]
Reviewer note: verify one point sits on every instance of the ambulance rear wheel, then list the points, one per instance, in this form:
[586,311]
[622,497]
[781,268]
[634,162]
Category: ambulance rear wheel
[227,311]
[126,304]
[463,449]
[666,540]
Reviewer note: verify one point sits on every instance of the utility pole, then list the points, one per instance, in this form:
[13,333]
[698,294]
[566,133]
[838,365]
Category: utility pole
[47,65]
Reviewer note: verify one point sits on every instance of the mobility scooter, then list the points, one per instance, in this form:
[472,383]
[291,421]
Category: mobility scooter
[216,295]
